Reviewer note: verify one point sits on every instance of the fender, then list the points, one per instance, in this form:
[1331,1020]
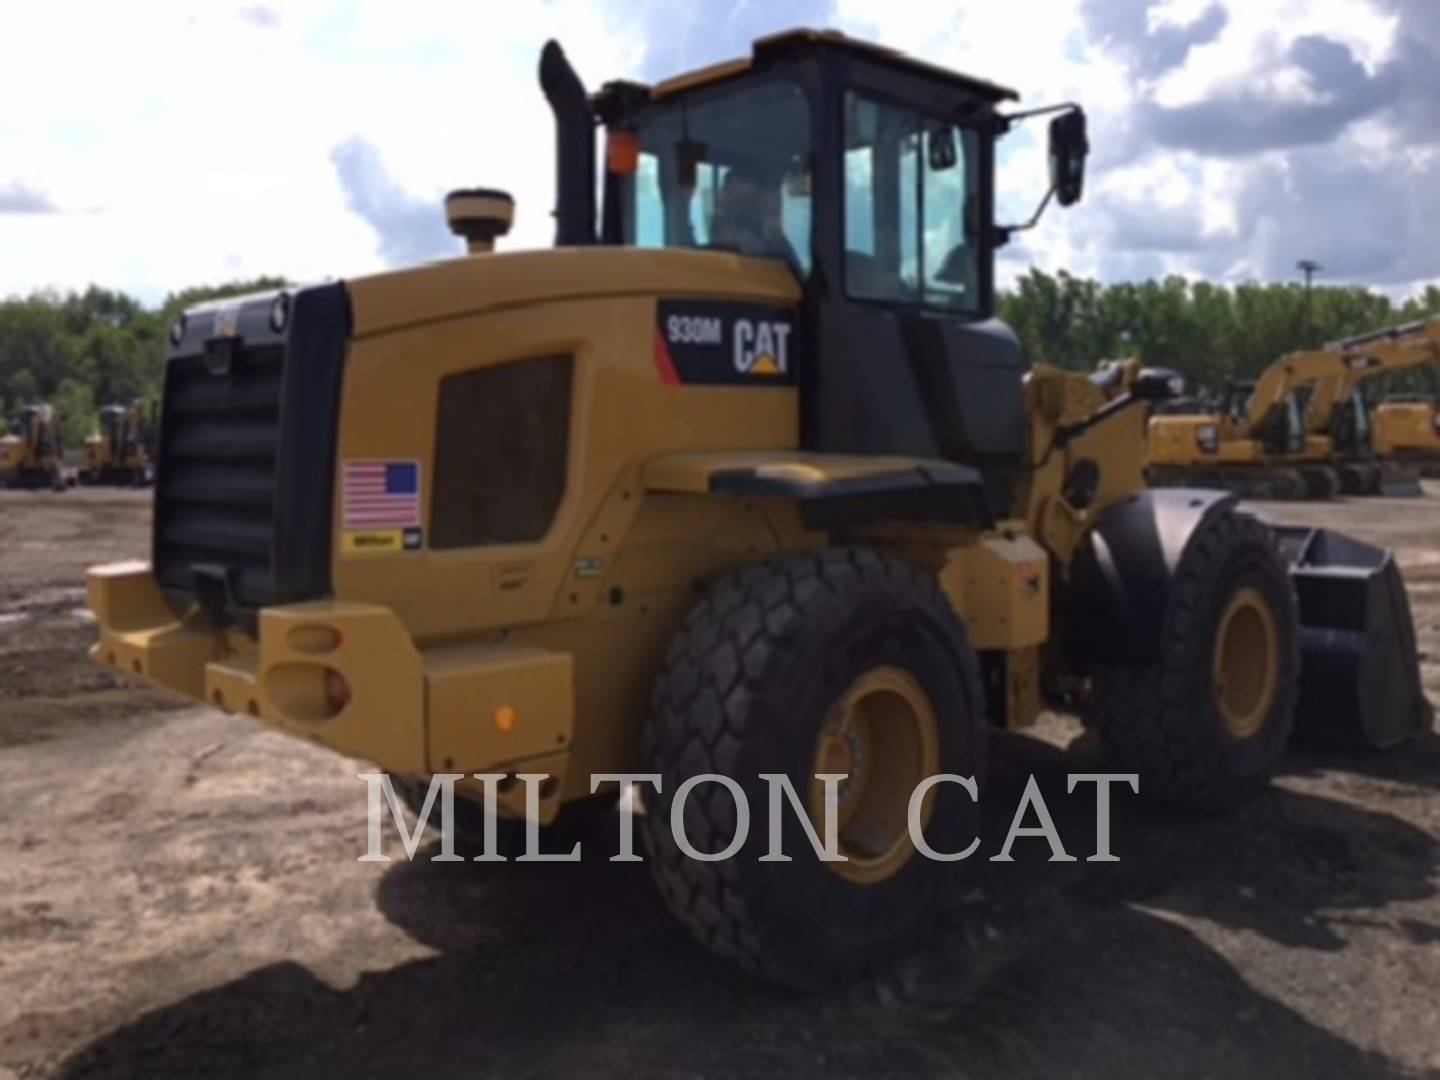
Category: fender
[834,490]
[1111,608]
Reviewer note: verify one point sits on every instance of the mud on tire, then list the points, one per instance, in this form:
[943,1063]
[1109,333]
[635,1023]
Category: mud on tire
[1174,722]
[749,686]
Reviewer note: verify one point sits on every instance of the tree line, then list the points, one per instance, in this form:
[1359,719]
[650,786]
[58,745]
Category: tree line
[1211,334]
[80,351]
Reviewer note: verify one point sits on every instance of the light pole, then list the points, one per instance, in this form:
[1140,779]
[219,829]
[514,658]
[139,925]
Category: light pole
[1308,267]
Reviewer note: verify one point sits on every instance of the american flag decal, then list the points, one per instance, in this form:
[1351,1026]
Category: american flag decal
[381,493]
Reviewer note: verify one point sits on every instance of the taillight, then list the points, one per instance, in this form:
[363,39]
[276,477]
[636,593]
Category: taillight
[337,691]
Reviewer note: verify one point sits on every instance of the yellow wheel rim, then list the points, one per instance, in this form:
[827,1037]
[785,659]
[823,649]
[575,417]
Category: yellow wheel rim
[883,735]
[1244,668]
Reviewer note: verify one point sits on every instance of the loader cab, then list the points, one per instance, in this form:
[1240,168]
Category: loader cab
[111,427]
[38,432]
[871,176]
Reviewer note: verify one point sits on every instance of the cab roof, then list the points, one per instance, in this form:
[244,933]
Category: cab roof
[802,40]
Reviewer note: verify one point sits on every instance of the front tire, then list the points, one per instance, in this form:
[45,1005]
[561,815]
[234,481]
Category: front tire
[845,662]
[1207,726]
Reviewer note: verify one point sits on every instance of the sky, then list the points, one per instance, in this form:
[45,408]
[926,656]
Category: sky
[150,147]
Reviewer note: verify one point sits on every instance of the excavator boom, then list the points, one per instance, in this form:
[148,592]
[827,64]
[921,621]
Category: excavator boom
[1396,348]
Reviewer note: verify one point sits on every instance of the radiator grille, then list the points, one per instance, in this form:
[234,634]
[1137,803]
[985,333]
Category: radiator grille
[215,503]
[246,454]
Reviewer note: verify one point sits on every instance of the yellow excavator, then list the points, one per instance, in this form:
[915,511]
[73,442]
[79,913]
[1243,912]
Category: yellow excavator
[32,457]
[1252,441]
[1264,441]
[115,454]
[1338,411]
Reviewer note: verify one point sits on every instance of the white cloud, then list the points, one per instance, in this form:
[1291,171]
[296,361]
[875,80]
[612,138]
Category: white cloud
[180,142]
[1229,138]
[192,142]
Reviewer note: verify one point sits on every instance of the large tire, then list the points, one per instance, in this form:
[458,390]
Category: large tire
[1208,725]
[772,666]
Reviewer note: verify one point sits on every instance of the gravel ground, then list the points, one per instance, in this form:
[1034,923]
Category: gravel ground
[179,895]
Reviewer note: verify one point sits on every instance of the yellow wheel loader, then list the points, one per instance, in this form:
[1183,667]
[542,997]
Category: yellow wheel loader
[1338,411]
[115,454]
[33,456]
[742,479]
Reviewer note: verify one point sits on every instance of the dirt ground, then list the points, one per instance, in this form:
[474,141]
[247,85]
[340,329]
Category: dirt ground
[179,895]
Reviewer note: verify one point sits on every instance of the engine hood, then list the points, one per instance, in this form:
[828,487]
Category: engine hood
[465,286]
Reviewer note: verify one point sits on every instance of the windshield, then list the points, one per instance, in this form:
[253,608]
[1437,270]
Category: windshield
[730,174]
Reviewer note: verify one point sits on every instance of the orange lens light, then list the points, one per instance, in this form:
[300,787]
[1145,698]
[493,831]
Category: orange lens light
[622,151]
[504,718]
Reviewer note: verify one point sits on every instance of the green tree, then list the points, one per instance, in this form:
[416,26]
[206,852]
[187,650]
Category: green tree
[34,338]
[74,404]
[101,339]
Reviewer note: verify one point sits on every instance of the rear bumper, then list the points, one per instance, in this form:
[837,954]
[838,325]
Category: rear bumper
[457,708]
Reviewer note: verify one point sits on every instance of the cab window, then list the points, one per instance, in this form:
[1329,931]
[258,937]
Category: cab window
[731,174]
[909,184]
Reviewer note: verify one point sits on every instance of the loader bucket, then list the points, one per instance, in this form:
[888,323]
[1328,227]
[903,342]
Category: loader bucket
[1360,670]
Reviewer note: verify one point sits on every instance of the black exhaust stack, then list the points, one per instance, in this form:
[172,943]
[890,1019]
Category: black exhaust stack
[574,148]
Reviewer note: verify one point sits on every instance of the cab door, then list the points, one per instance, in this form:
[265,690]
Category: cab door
[907,359]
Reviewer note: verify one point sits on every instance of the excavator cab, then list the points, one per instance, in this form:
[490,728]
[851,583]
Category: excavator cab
[1351,429]
[1283,432]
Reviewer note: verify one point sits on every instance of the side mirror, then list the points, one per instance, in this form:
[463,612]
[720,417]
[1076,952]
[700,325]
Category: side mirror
[1069,146]
[1158,384]
[941,149]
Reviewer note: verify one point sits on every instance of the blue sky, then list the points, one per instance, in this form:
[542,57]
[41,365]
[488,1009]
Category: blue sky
[171,143]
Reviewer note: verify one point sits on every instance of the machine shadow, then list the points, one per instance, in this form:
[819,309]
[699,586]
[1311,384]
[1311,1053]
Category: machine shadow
[1417,763]
[1081,969]
[1290,866]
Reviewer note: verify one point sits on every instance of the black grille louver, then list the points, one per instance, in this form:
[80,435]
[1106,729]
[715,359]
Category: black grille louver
[246,453]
